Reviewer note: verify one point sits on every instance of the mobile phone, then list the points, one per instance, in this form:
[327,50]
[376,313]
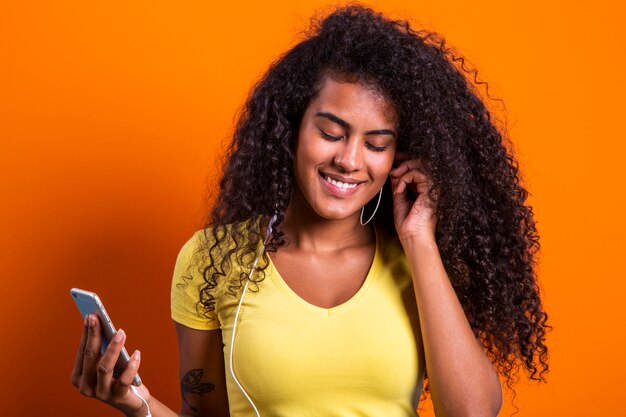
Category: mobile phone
[89,303]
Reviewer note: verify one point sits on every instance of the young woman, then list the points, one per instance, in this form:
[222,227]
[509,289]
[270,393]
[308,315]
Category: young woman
[370,232]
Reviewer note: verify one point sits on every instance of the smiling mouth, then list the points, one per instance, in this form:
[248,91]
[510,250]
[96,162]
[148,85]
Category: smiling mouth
[344,185]
[339,184]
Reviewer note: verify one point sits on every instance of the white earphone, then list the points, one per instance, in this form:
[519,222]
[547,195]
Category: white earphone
[243,293]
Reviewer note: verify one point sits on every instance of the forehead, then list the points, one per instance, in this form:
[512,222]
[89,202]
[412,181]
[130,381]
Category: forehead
[354,101]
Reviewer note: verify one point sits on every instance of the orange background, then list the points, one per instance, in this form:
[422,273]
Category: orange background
[111,117]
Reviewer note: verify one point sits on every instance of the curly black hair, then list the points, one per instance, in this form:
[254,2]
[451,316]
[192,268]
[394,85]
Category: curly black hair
[485,232]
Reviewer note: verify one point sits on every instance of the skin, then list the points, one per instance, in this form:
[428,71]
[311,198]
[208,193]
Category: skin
[348,133]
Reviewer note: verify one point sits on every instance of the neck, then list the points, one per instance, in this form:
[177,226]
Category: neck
[305,230]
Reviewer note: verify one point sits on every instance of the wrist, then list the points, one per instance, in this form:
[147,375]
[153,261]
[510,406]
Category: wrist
[142,410]
[418,241]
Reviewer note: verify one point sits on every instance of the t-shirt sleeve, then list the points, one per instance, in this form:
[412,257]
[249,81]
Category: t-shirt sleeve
[185,292]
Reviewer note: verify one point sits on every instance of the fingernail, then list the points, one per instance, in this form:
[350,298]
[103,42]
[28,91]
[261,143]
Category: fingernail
[119,335]
[92,321]
[136,355]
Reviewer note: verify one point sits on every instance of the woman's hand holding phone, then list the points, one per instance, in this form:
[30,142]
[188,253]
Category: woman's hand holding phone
[93,371]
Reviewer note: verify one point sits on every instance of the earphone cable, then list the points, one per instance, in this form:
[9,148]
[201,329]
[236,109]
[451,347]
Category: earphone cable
[243,292]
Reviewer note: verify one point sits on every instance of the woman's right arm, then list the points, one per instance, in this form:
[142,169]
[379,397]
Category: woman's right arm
[203,381]
[202,372]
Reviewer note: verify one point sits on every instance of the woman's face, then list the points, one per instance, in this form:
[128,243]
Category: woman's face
[345,149]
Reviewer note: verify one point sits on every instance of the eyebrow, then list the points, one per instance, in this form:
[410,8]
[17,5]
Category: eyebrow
[348,126]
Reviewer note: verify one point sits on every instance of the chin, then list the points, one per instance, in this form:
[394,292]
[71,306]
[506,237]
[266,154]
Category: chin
[335,214]
[327,207]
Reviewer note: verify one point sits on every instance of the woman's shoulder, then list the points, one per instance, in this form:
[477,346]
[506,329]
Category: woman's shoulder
[192,244]
[392,256]
[186,269]
[187,283]
[213,237]
[209,246]
[192,250]
[388,242]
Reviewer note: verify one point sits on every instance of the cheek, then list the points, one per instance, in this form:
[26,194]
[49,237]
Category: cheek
[305,161]
[384,165]
[311,153]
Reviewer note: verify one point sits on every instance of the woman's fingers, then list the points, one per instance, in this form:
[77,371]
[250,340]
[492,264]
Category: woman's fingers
[106,365]
[406,166]
[401,187]
[91,356]
[94,372]
[77,370]
[415,178]
[128,375]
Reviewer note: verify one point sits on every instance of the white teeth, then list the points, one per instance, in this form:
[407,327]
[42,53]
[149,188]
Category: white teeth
[340,184]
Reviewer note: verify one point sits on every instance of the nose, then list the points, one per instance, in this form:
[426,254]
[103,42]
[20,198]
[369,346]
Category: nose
[349,155]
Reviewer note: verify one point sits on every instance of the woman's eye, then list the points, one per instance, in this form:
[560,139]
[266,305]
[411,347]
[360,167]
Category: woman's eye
[376,148]
[330,137]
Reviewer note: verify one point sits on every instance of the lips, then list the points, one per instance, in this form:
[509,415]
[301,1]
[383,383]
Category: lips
[339,185]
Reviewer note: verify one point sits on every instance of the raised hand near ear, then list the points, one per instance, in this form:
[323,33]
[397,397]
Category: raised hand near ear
[413,219]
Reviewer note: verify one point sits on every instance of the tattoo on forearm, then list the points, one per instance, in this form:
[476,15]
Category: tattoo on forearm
[192,384]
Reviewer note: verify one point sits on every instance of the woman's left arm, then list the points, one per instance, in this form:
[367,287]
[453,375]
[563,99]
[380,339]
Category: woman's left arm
[462,379]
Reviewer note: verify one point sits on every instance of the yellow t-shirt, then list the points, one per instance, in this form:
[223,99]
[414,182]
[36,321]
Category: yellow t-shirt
[361,358]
